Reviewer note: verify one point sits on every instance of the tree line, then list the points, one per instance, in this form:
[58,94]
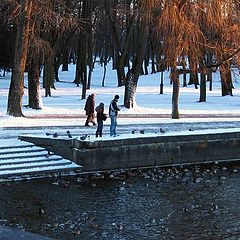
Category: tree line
[193,37]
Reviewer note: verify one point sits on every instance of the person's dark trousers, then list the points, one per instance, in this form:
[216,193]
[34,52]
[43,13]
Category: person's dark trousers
[99,128]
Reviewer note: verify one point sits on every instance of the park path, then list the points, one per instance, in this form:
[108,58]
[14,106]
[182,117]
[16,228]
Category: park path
[71,116]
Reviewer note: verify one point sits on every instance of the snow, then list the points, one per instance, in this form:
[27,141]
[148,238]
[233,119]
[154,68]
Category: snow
[66,108]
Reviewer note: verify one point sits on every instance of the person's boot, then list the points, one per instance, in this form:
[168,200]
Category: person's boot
[86,123]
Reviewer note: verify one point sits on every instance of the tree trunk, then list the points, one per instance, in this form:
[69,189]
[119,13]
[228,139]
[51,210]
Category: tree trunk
[130,89]
[209,70]
[84,64]
[226,79]
[65,59]
[175,96]
[203,94]
[146,64]
[121,72]
[78,77]
[81,70]
[90,60]
[48,74]
[121,46]
[153,67]
[193,79]
[56,68]
[184,77]
[104,74]
[183,63]
[161,83]
[34,96]
[16,89]
[133,74]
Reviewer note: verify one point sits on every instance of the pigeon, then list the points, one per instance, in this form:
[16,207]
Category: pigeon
[142,131]
[69,134]
[134,131]
[161,130]
[84,137]
[190,129]
[55,135]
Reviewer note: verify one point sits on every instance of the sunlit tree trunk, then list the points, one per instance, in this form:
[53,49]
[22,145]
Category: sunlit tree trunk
[193,78]
[226,79]
[16,90]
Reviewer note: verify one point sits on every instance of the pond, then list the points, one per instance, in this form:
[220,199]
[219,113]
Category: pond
[200,202]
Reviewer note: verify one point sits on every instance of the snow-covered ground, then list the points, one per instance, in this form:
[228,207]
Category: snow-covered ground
[66,101]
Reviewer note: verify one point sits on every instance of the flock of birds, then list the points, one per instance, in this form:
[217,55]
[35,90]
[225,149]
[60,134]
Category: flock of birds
[86,136]
[68,134]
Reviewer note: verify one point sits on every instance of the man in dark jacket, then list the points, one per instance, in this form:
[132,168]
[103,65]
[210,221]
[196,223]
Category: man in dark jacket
[89,108]
[113,112]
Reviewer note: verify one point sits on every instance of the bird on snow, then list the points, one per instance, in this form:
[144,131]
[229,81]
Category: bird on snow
[190,129]
[134,131]
[55,135]
[48,134]
[84,137]
[142,131]
[161,130]
[69,134]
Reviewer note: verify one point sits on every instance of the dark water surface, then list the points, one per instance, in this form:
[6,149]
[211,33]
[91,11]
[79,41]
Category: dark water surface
[196,203]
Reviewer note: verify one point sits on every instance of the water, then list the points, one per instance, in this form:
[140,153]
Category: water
[194,203]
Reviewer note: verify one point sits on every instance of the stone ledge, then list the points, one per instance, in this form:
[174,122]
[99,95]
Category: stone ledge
[8,233]
[147,151]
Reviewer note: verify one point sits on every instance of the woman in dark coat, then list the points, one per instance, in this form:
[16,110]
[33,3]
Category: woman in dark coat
[89,108]
[101,116]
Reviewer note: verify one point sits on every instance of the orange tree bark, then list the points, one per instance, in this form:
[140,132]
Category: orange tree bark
[16,89]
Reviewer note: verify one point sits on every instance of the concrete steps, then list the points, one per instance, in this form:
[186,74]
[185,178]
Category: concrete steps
[28,160]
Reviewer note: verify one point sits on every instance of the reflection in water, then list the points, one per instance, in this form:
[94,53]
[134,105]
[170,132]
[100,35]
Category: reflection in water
[158,204]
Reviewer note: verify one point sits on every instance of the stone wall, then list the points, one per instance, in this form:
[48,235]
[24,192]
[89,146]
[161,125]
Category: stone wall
[144,151]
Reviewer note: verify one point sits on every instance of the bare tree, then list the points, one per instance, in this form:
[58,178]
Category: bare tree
[144,13]
[16,90]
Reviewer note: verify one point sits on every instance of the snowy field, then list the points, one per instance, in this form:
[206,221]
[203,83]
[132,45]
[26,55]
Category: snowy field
[66,100]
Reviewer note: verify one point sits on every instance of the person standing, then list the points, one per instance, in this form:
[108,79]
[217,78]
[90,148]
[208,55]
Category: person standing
[113,112]
[89,108]
[101,116]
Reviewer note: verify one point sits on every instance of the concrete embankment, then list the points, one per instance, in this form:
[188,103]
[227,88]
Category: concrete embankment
[7,233]
[144,151]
